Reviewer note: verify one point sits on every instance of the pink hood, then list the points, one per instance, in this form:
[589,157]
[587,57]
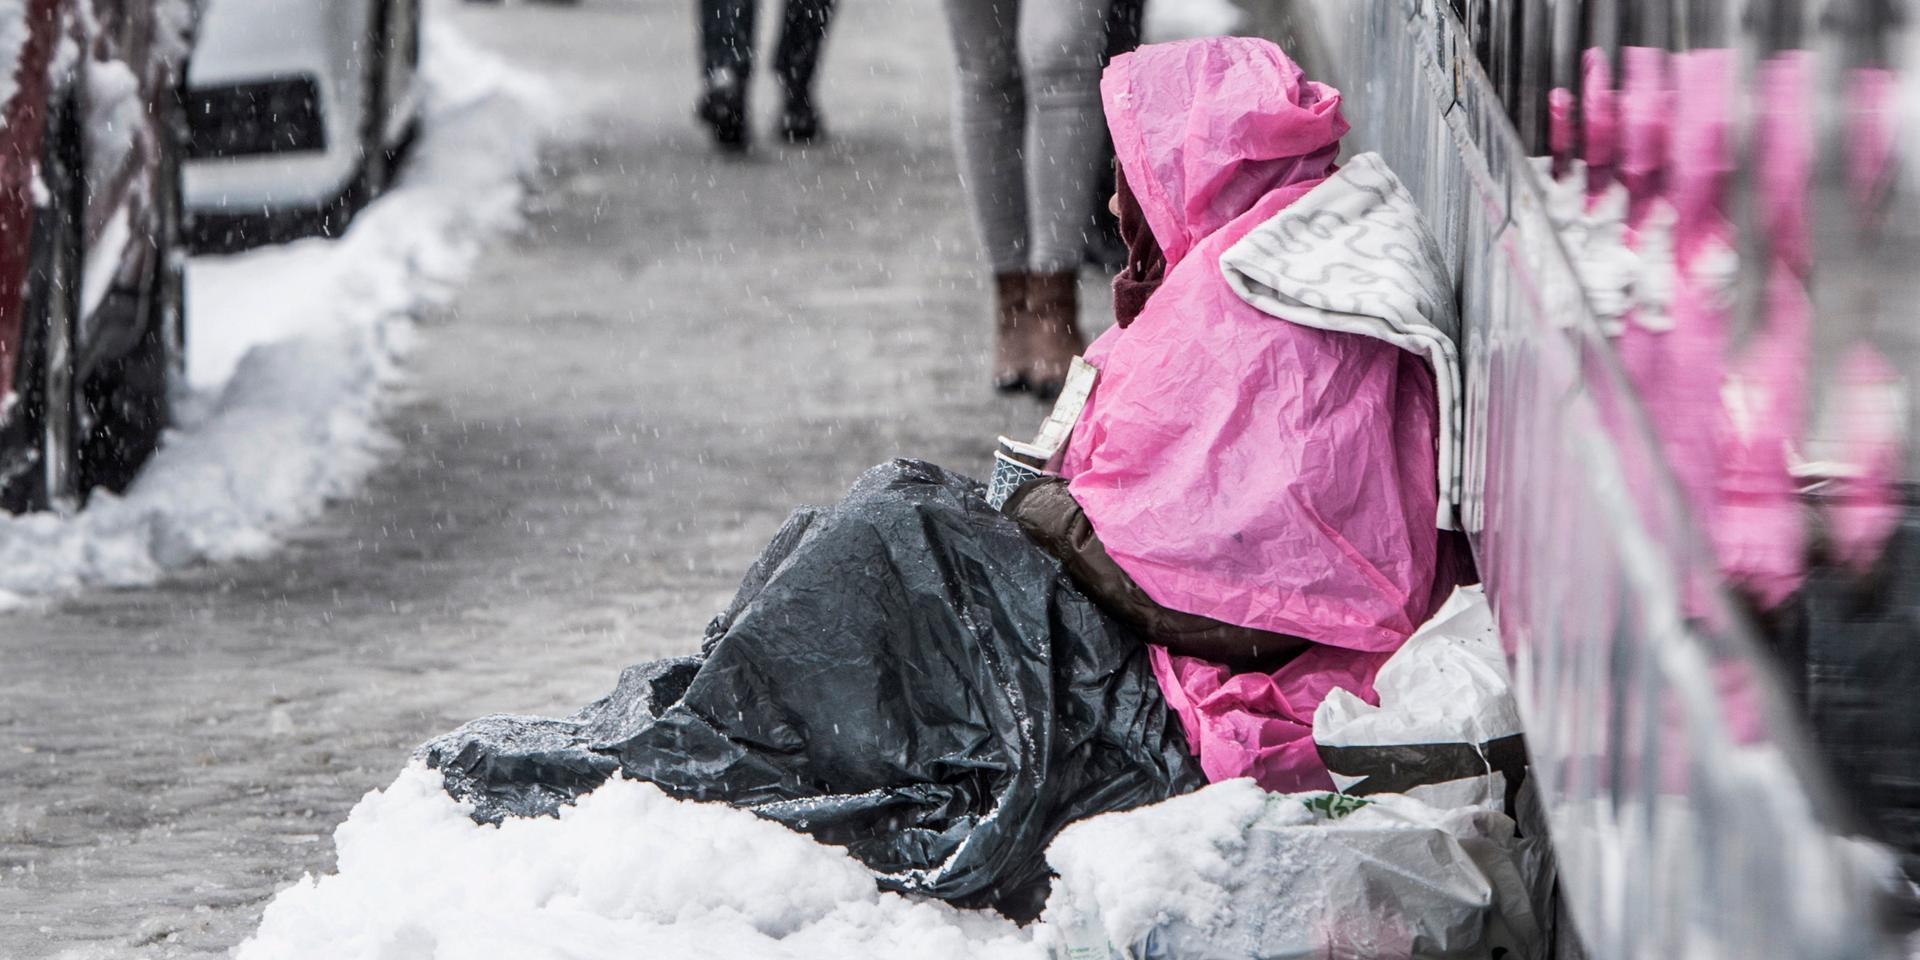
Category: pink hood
[1208,128]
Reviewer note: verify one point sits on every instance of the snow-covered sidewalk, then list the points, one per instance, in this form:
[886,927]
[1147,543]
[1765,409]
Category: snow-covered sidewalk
[295,351]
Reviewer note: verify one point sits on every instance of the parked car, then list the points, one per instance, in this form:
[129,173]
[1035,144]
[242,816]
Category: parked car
[299,110]
[92,324]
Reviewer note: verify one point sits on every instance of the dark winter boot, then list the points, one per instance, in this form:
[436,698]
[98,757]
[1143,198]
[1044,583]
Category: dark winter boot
[1009,316]
[724,110]
[1050,332]
[800,122]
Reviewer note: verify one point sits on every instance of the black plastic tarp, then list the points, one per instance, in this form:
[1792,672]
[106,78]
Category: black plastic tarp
[904,674]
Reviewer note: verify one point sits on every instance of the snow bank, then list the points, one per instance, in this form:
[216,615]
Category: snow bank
[293,350]
[1228,872]
[628,872]
[1202,842]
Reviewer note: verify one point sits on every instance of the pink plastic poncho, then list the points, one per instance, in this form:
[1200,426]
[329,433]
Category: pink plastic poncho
[1236,465]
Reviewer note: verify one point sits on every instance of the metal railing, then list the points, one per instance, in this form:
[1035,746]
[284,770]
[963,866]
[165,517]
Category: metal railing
[1688,814]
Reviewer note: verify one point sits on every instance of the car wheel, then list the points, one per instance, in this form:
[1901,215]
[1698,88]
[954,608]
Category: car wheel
[130,397]
[43,442]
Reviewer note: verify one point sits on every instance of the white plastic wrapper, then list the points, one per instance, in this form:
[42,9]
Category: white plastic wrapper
[1234,873]
[1447,728]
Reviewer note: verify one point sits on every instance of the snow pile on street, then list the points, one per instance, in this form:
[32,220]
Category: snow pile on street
[627,872]
[1229,871]
[1202,837]
[293,350]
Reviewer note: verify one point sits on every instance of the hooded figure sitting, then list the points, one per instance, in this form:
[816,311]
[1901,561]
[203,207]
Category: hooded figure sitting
[940,686]
[1259,477]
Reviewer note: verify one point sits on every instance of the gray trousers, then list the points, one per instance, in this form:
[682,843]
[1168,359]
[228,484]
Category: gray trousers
[1029,125]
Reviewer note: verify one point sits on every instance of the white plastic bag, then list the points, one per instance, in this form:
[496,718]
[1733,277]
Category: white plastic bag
[1447,728]
[1234,873]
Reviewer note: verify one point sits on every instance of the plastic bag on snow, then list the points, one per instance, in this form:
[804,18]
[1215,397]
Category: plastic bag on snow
[1234,873]
[904,674]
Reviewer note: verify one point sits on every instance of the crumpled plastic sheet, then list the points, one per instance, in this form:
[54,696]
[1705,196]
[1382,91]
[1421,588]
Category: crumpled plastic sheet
[1240,874]
[904,674]
[1446,724]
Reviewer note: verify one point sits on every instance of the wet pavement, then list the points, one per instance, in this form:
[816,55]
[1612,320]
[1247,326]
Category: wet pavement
[621,406]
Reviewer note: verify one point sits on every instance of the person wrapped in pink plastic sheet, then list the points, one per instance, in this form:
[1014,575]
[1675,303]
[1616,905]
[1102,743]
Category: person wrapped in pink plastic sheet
[1261,474]
[1253,472]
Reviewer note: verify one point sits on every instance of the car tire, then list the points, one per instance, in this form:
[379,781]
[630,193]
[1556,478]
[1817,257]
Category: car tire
[42,468]
[130,397]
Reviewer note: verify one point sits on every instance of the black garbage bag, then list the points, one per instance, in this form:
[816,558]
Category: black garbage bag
[904,674]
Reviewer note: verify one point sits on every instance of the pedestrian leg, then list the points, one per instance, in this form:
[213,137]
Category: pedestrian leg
[1062,50]
[803,33]
[990,124]
[726,46]
[1063,45]
[1125,23]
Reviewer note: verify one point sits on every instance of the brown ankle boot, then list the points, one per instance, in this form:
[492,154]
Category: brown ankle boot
[1051,333]
[1009,323]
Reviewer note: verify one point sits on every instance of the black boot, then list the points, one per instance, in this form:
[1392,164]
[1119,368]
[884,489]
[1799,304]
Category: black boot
[800,122]
[724,110]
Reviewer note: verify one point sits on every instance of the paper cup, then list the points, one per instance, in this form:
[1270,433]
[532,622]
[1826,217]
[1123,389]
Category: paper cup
[1008,475]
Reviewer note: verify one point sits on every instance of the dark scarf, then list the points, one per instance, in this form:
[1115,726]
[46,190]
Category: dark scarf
[1146,265]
